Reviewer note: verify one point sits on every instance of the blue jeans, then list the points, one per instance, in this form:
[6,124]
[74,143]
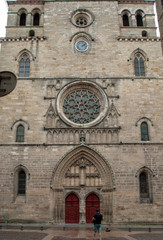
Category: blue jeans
[97,228]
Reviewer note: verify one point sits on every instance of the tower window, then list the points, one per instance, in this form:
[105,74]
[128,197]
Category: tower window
[139,65]
[24,66]
[31,33]
[22,19]
[144,132]
[21,183]
[139,20]
[125,20]
[20,134]
[144,34]
[36,19]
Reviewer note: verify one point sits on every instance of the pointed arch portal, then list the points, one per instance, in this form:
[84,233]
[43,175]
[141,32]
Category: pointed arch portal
[81,182]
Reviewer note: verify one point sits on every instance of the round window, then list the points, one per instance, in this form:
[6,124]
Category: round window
[82,104]
[82,18]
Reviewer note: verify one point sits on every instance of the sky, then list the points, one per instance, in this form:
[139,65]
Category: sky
[3,18]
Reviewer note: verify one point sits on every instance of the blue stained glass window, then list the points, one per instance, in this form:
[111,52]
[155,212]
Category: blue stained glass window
[81,106]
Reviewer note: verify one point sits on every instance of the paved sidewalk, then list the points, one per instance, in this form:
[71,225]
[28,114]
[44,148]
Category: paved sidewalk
[54,233]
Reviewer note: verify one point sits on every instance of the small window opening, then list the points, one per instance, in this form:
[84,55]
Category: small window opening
[144,33]
[21,183]
[144,132]
[31,33]
[20,134]
[23,19]
[36,19]
[139,20]
[125,20]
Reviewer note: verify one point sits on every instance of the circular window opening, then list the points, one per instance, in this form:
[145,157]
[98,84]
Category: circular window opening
[82,18]
[81,106]
[82,103]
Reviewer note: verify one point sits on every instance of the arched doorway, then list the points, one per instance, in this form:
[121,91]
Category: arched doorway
[82,173]
[72,209]
[92,203]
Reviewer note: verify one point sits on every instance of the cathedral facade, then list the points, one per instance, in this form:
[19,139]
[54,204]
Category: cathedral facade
[83,129]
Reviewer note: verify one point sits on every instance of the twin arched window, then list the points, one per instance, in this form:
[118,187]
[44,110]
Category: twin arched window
[24,66]
[23,17]
[20,133]
[139,65]
[138,17]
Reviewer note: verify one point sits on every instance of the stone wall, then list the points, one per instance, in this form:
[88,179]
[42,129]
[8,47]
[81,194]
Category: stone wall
[53,146]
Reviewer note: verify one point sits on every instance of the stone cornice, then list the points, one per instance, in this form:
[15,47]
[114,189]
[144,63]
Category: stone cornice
[22,39]
[90,78]
[73,144]
[138,39]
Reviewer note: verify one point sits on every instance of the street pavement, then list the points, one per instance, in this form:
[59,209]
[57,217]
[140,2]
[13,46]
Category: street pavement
[78,233]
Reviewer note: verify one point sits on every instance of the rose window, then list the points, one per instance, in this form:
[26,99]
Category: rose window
[81,106]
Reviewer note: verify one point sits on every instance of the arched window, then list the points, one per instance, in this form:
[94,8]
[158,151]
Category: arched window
[139,65]
[21,182]
[139,20]
[36,19]
[22,19]
[20,133]
[144,186]
[144,132]
[24,66]
[125,19]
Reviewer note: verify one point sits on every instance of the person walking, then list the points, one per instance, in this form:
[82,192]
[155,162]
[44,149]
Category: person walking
[97,218]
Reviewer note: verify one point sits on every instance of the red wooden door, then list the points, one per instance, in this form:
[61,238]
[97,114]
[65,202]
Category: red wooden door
[92,203]
[72,209]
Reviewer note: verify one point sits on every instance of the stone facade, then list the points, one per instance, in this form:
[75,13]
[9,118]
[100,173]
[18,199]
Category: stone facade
[82,105]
